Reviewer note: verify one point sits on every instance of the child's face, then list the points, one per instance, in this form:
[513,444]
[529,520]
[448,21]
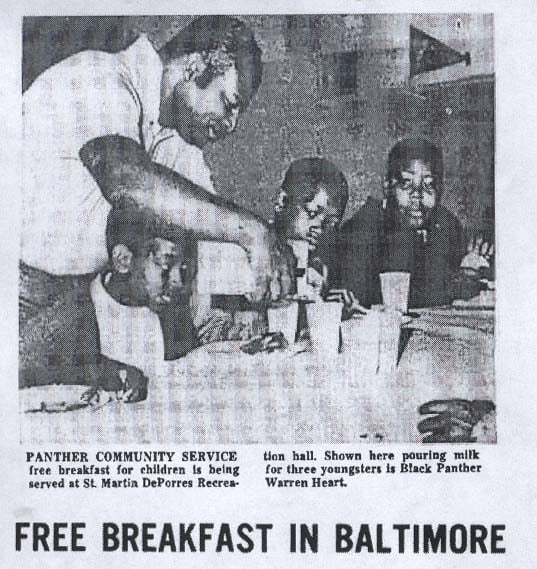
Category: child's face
[415,192]
[308,216]
[161,273]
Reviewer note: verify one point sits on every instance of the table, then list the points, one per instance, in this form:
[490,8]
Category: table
[219,395]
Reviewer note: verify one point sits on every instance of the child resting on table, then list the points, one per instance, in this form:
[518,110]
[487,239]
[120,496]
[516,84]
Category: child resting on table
[112,332]
[110,335]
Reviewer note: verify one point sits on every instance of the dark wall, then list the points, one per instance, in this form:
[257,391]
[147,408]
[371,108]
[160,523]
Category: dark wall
[461,120]
[306,106]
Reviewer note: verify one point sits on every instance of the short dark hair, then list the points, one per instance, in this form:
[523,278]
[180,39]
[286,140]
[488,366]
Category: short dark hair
[305,173]
[414,148]
[136,229]
[208,34]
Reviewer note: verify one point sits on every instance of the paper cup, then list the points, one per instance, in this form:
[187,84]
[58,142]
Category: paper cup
[324,320]
[361,343]
[361,335]
[390,332]
[395,288]
[372,341]
[284,318]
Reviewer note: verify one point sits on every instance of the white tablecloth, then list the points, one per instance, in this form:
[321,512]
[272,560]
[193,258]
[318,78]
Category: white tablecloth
[214,397]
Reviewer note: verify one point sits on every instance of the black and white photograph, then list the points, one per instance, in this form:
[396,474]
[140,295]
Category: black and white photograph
[258,229]
[267,285]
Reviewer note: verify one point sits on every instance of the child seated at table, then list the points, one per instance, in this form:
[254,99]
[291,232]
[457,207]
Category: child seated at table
[411,231]
[309,207]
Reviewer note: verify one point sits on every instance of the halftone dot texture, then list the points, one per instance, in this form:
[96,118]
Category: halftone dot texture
[333,86]
[215,397]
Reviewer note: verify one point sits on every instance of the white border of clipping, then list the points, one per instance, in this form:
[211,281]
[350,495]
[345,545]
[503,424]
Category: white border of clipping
[503,493]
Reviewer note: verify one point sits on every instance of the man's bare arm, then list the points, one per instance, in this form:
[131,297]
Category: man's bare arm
[127,176]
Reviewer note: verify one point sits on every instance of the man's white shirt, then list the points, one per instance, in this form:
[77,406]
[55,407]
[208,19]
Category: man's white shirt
[129,334]
[85,96]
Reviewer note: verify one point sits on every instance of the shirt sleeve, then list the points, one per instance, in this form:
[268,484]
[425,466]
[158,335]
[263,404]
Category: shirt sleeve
[64,211]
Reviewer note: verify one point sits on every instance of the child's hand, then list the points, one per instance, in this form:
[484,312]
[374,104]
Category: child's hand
[127,382]
[453,420]
[478,256]
[134,385]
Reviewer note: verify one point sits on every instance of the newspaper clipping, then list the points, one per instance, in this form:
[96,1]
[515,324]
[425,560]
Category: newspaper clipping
[256,265]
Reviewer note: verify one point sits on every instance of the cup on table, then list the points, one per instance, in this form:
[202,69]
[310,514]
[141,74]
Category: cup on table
[324,320]
[390,333]
[360,338]
[372,339]
[360,335]
[395,288]
[283,317]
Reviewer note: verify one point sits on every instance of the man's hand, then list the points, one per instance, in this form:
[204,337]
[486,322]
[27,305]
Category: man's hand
[478,256]
[456,421]
[273,263]
[313,237]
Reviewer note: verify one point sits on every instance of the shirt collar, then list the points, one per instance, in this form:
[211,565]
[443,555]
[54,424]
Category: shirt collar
[115,308]
[131,335]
